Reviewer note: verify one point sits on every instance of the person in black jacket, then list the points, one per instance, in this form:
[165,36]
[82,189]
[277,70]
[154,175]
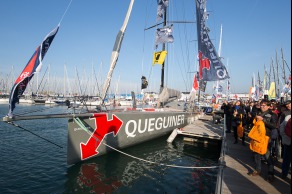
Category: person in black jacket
[226,107]
[270,120]
[237,118]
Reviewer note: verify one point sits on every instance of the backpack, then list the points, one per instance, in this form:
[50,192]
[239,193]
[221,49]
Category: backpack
[288,128]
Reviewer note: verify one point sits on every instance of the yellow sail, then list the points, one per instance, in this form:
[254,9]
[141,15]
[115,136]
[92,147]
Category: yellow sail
[272,91]
[159,57]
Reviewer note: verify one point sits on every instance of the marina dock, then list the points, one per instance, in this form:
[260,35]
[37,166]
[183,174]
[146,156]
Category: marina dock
[236,161]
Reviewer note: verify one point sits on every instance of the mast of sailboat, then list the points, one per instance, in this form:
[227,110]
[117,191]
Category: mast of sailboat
[274,75]
[163,48]
[283,66]
[265,80]
[116,51]
[284,61]
[269,75]
[277,72]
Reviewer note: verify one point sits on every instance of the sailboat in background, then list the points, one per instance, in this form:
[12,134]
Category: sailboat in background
[94,133]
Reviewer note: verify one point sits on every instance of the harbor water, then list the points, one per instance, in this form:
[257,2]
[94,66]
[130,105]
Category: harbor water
[33,160]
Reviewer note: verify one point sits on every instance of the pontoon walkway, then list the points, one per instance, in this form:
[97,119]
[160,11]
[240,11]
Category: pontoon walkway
[236,161]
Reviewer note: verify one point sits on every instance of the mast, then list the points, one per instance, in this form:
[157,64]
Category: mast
[283,66]
[270,73]
[277,72]
[163,48]
[265,79]
[219,55]
[274,75]
[64,94]
[116,50]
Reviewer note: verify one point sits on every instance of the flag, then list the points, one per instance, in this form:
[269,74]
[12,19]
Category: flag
[195,84]
[162,5]
[272,91]
[286,88]
[211,67]
[163,35]
[144,82]
[159,57]
[33,66]
[213,98]
[257,93]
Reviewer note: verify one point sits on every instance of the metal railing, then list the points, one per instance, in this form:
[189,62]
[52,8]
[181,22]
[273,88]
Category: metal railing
[222,163]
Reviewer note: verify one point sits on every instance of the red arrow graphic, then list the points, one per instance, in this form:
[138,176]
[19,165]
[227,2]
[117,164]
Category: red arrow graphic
[103,126]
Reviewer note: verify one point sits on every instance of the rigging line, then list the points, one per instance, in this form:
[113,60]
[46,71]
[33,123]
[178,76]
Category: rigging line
[161,164]
[34,134]
[98,88]
[43,87]
[184,55]
[79,84]
[183,58]
[65,12]
[144,37]
[80,123]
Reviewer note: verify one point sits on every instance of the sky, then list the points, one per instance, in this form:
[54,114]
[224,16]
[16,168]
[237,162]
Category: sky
[252,32]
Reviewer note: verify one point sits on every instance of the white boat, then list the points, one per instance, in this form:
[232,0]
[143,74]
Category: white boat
[126,102]
[50,101]
[27,101]
[92,134]
[4,100]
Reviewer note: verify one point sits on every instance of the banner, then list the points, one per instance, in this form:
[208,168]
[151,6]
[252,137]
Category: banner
[211,67]
[162,5]
[159,57]
[144,83]
[33,66]
[195,84]
[163,35]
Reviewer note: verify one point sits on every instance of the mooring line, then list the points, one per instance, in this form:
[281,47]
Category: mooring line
[160,164]
[80,123]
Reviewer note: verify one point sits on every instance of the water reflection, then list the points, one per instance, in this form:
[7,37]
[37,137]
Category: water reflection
[117,173]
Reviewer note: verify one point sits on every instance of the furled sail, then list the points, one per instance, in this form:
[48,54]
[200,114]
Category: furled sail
[168,95]
[33,66]
[116,50]
[211,67]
